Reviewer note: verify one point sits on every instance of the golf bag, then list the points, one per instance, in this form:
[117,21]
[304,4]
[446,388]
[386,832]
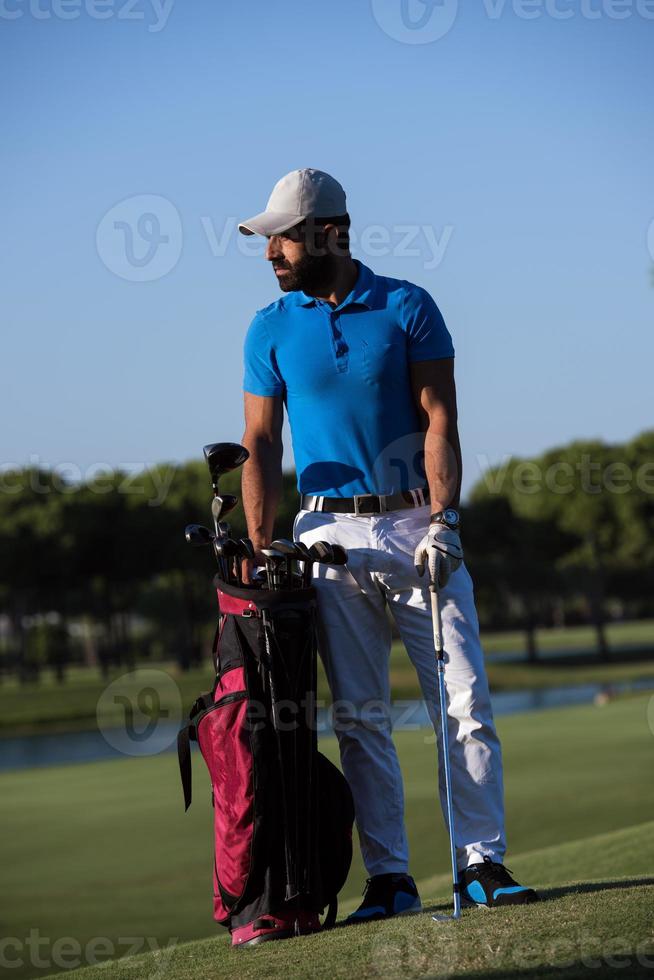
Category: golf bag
[283,814]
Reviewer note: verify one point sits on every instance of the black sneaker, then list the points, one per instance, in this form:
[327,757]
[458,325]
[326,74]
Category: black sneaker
[385,896]
[491,884]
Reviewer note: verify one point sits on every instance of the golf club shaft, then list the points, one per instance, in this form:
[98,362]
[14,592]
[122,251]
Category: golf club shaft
[291,887]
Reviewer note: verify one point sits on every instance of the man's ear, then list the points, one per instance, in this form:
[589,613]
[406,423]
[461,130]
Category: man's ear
[332,241]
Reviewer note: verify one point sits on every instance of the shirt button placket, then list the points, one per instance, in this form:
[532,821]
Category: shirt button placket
[341,350]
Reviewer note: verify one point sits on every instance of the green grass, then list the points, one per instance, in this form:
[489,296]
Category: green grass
[48,707]
[581,929]
[621,635]
[105,850]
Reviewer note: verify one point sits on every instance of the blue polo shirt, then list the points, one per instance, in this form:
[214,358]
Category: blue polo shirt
[343,373]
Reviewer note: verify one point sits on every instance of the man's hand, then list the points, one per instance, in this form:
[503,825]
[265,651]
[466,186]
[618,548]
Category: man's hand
[441,550]
[249,565]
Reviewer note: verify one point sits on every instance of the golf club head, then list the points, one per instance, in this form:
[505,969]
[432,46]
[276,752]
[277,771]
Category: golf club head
[246,548]
[273,555]
[223,457]
[227,548]
[441,917]
[221,506]
[288,548]
[274,560]
[198,535]
[303,550]
[328,554]
[453,915]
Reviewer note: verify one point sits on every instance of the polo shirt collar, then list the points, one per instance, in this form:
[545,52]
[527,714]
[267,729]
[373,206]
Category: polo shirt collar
[361,294]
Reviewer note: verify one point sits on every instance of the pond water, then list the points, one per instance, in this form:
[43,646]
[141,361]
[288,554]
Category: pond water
[28,751]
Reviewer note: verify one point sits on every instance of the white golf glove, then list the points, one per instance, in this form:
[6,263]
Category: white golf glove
[441,550]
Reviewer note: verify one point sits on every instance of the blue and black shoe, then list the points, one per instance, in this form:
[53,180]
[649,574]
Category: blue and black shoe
[385,896]
[490,884]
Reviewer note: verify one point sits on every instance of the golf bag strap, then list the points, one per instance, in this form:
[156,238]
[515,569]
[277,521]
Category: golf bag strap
[184,757]
[332,911]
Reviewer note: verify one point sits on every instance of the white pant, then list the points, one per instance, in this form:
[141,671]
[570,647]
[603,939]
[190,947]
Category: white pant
[354,643]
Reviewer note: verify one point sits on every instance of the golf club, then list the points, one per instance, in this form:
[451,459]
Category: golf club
[245,552]
[198,535]
[274,559]
[328,554]
[227,549]
[222,505]
[445,749]
[223,457]
[290,549]
[307,559]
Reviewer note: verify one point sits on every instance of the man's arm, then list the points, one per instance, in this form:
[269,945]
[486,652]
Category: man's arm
[435,395]
[262,473]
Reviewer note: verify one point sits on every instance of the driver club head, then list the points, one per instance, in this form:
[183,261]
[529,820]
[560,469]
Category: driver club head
[197,535]
[223,457]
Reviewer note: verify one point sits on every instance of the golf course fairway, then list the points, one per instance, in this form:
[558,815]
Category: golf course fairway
[105,851]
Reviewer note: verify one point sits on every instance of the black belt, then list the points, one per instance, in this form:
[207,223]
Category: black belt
[367,503]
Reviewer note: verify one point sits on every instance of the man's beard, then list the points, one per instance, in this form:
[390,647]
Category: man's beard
[311,274]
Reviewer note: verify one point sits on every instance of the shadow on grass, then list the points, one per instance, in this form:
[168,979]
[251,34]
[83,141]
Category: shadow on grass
[580,888]
[631,967]
[586,888]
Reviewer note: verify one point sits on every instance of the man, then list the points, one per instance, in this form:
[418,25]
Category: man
[364,366]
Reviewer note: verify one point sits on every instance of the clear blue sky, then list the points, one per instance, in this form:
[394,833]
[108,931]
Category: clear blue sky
[529,142]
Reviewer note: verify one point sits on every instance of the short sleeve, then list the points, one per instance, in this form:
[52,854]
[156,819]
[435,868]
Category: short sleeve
[428,339]
[262,375]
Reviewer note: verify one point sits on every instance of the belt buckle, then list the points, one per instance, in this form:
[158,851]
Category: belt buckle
[362,497]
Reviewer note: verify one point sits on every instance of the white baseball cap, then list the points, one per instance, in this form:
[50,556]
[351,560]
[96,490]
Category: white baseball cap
[299,195]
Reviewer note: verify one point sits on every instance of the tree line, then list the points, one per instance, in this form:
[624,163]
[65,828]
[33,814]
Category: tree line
[99,572]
